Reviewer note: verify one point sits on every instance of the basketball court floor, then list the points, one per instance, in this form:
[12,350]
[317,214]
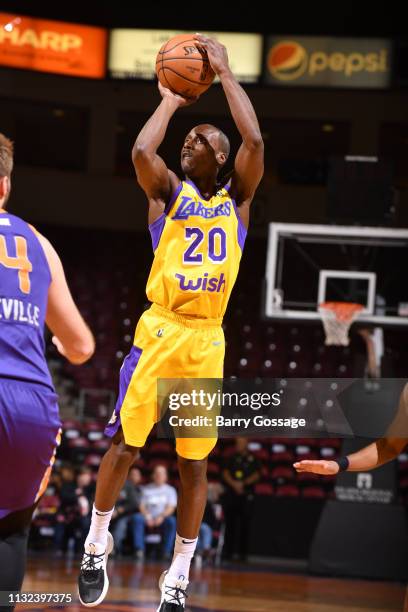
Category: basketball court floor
[236,589]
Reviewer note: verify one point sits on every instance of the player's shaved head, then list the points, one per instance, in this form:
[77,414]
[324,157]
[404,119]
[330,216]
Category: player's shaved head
[224,143]
[216,137]
[205,151]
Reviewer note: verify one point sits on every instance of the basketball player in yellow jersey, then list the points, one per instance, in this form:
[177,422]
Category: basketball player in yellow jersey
[198,228]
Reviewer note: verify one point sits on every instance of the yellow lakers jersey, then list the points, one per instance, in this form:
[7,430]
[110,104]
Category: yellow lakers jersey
[197,247]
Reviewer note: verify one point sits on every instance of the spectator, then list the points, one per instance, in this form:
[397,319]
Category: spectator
[128,504]
[85,493]
[56,479]
[68,510]
[205,536]
[49,504]
[73,518]
[212,523]
[157,506]
[242,470]
[45,514]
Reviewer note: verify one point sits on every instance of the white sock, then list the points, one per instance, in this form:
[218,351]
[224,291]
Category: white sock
[183,553]
[98,532]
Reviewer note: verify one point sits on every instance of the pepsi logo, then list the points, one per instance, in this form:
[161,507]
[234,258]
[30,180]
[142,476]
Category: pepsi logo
[287,60]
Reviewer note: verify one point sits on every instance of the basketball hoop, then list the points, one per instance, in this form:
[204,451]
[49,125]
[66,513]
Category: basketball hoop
[337,318]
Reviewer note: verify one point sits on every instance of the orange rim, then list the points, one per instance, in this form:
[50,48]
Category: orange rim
[344,311]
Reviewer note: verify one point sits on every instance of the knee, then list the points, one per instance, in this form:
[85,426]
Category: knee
[193,472]
[123,453]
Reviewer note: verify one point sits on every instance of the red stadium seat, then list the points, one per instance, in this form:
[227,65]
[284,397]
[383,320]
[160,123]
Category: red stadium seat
[281,454]
[263,488]
[313,492]
[101,445]
[307,477]
[92,460]
[282,474]
[287,491]
[79,443]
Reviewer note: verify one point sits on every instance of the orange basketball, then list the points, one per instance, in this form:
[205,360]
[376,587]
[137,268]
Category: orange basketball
[183,68]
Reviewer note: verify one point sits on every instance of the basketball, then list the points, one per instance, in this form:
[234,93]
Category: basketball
[184,68]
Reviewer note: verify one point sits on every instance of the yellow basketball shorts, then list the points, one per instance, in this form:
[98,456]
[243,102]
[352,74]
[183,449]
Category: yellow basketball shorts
[166,345]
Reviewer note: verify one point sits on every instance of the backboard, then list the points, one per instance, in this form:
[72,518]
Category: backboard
[310,264]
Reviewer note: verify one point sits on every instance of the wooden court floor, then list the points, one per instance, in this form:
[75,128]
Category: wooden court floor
[234,589]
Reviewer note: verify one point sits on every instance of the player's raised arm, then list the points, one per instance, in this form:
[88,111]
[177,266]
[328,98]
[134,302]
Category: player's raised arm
[73,337]
[249,164]
[372,456]
[156,180]
[368,458]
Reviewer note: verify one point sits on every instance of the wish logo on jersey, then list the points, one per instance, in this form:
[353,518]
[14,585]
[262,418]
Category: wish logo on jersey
[215,284]
[192,208]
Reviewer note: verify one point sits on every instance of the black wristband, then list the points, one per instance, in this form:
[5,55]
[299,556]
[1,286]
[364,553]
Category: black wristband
[343,463]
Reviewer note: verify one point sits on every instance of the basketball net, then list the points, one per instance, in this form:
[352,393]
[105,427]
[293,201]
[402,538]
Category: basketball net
[337,318]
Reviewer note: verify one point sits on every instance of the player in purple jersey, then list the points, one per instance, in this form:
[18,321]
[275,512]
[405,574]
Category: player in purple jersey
[372,456]
[369,457]
[33,292]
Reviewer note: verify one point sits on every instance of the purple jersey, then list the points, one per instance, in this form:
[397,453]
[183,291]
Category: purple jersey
[24,281]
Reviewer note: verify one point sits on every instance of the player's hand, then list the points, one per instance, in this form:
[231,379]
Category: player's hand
[217,53]
[326,468]
[59,345]
[178,100]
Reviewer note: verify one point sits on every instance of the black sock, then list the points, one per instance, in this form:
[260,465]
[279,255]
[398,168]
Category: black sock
[14,530]
[13,554]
